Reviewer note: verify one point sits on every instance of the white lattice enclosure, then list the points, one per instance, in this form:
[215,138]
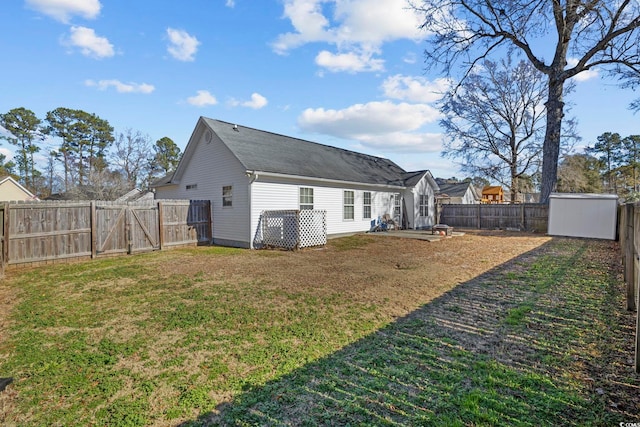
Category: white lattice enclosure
[294,229]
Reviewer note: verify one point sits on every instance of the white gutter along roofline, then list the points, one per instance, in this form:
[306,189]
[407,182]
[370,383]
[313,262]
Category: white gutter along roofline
[256,174]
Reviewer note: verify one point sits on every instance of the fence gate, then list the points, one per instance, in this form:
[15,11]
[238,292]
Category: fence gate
[143,225]
[127,228]
[111,232]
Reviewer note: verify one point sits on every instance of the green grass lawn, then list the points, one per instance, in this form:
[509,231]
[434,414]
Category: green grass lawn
[542,340]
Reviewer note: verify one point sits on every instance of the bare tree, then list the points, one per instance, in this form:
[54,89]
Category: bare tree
[595,33]
[131,155]
[495,122]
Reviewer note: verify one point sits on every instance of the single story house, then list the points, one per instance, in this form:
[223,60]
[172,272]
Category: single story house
[11,190]
[136,195]
[457,193]
[245,171]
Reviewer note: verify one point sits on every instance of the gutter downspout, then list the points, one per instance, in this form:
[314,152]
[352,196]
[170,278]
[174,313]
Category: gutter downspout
[253,177]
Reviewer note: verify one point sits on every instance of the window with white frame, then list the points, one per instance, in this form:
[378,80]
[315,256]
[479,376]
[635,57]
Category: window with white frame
[396,206]
[191,186]
[424,205]
[366,205]
[227,196]
[348,205]
[306,198]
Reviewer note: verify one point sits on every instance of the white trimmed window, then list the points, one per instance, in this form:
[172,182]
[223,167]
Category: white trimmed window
[366,205]
[348,205]
[424,205]
[396,206]
[227,196]
[192,186]
[306,198]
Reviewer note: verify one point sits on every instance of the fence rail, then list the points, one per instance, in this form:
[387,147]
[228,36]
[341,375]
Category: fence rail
[524,216]
[34,232]
[629,232]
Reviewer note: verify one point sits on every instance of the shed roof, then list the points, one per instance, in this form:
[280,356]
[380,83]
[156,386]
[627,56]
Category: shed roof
[583,196]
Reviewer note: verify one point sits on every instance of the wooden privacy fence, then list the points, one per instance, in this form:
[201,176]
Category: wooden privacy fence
[629,232]
[34,232]
[522,216]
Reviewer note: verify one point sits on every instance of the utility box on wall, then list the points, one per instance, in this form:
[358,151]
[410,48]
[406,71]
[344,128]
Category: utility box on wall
[583,215]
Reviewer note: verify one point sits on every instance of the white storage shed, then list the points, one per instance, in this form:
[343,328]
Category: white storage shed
[583,215]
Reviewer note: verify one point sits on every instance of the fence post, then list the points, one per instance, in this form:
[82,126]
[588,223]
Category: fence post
[210,220]
[637,358]
[479,215]
[127,229]
[629,251]
[5,248]
[161,224]
[94,231]
[4,243]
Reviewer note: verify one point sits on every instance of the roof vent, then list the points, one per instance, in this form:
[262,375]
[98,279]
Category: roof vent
[235,127]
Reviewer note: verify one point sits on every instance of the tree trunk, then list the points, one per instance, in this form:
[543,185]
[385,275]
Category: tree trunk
[551,148]
[515,188]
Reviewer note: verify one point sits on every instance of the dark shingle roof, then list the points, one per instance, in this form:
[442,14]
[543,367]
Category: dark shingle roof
[454,190]
[258,150]
[410,179]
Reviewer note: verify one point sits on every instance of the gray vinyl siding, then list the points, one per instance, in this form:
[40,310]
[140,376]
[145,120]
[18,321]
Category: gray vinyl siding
[211,167]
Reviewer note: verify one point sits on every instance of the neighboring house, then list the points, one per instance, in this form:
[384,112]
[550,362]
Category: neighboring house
[493,194]
[522,197]
[245,171]
[11,190]
[457,193]
[136,195]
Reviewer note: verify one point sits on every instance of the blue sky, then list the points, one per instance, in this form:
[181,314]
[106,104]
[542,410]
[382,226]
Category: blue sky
[347,73]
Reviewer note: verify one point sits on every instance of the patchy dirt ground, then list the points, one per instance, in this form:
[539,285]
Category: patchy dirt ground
[397,276]
[400,273]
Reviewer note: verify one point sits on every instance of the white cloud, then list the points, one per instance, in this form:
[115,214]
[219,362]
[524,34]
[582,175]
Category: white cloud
[415,89]
[585,75]
[359,22]
[121,87]
[367,21]
[63,10]
[257,102]
[405,142]
[7,152]
[309,22]
[410,58]
[182,45]
[202,99]
[395,127]
[358,29]
[351,62]
[89,43]
[230,3]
